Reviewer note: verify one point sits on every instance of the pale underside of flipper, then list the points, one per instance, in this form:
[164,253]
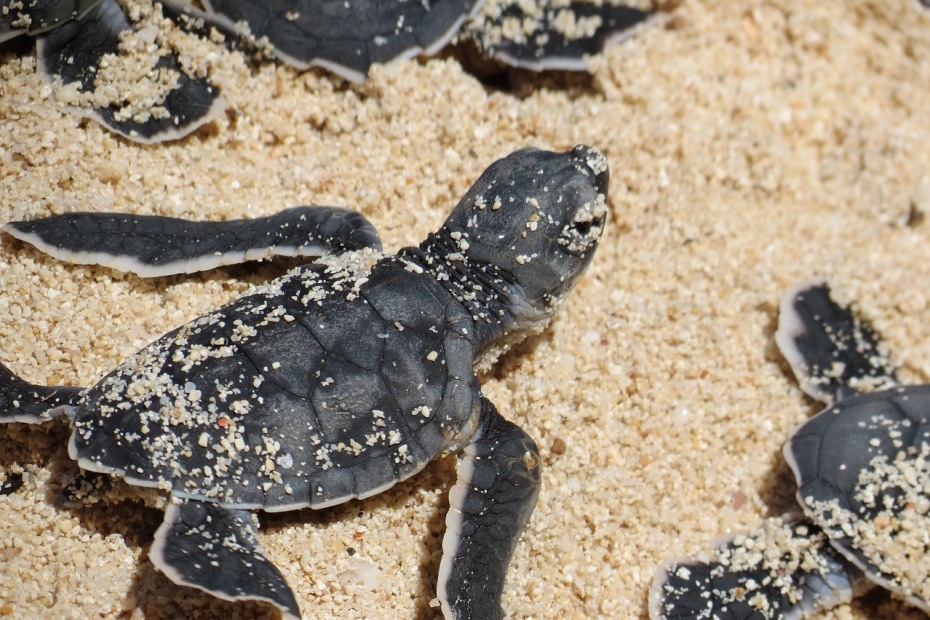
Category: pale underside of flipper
[786,569]
[557,37]
[215,549]
[21,401]
[831,351]
[498,484]
[74,53]
[153,246]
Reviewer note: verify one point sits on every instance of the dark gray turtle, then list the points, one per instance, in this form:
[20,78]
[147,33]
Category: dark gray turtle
[75,38]
[335,381]
[863,477]
[348,37]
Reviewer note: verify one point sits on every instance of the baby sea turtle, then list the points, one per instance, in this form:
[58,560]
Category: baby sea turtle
[863,477]
[79,43]
[348,37]
[129,79]
[335,381]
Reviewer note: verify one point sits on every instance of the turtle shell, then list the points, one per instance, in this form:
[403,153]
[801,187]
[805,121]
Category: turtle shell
[334,381]
[346,37]
[863,472]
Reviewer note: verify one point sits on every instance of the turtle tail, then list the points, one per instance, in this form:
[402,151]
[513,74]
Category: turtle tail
[21,401]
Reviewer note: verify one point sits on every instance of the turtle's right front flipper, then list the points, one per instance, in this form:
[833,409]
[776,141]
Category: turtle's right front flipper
[152,246]
[498,483]
[830,349]
[21,401]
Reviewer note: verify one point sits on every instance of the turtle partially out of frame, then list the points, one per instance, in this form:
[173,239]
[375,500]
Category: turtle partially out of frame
[335,381]
[80,43]
[348,37]
[863,472]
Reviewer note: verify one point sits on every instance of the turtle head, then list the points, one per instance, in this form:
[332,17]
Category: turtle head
[535,218]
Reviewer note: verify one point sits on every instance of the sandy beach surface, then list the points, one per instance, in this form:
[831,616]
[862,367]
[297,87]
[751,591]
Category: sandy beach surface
[752,144]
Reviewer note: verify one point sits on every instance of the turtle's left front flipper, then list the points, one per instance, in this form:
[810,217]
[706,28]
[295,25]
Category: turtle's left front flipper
[74,54]
[498,483]
[152,246]
[215,549]
[832,352]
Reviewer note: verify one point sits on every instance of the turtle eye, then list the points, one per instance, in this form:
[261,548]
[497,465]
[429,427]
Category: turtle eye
[583,232]
[584,228]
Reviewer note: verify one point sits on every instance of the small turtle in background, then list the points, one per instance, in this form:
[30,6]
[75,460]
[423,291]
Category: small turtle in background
[78,41]
[335,381]
[863,472]
[348,37]
[125,78]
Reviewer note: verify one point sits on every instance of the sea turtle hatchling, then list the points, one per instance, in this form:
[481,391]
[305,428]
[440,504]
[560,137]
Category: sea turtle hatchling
[863,477]
[335,381]
[133,81]
[78,43]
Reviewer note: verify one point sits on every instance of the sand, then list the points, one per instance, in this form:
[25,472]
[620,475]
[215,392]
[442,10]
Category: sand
[751,144]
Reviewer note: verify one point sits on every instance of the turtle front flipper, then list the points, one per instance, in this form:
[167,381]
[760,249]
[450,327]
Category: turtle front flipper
[215,549]
[832,352]
[498,483]
[74,53]
[21,401]
[563,34]
[152,246]
[785,569]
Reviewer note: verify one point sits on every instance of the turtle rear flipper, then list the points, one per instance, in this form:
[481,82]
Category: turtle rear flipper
[73,54]
[86,487]
[21,401]
[215,549]
[832,352]
[498,483]
[557,43]
[786,569]
[153,246]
